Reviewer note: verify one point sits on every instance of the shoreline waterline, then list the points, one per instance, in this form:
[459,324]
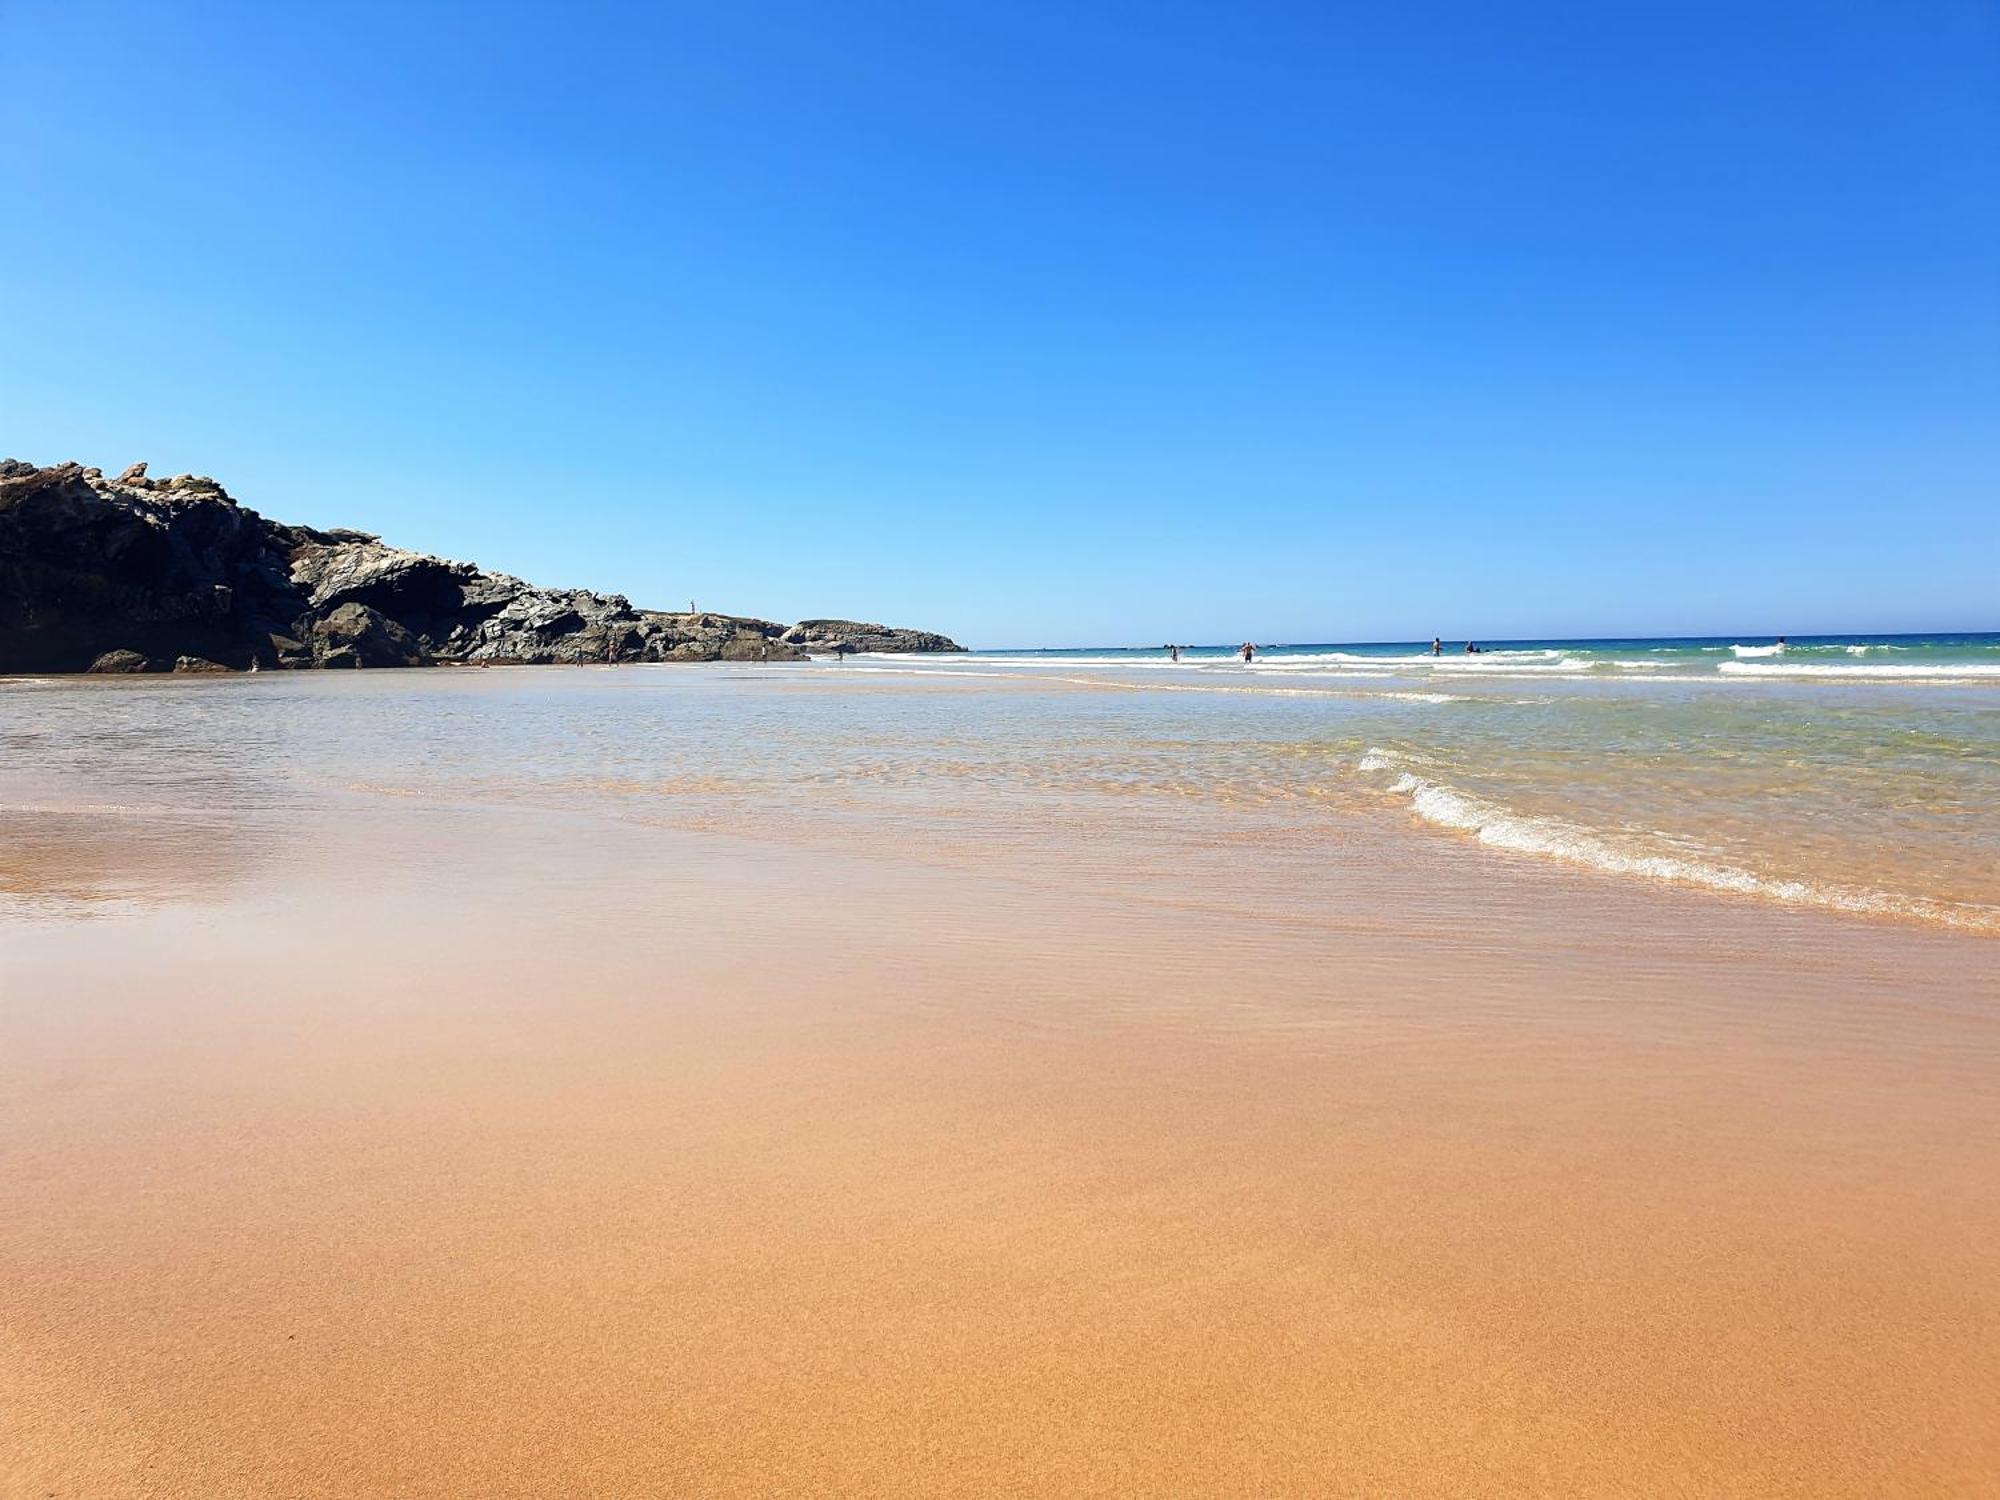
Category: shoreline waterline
[1855,794]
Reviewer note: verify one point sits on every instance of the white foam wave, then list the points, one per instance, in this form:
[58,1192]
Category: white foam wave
[1742,651]
[1411,658]
[1480,666]
[1504,828]
[1871,671]
[1838,665]
[1321,667]
[1382,659]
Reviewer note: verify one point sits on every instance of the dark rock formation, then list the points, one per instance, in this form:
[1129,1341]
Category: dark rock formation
[851,635]
[121,661]
[353,635]
[134,574]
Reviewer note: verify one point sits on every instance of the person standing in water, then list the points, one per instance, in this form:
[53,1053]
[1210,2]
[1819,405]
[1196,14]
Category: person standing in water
[1248,652]
[1175,651]
[1437,645]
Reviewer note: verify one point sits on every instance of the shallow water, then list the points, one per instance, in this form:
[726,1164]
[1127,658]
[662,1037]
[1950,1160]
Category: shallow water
[1866,794]
[1860,774]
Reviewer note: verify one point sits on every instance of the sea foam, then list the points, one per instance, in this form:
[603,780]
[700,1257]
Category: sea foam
[1941,671]
[1501,827]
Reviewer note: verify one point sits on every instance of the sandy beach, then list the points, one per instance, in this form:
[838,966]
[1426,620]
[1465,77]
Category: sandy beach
[363,1142]
[1192,752]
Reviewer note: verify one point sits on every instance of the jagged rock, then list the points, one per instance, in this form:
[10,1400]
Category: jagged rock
[853,635]
[747,648]
[290,652]
[175,568]
[353,635]
[121,661]
[198,664]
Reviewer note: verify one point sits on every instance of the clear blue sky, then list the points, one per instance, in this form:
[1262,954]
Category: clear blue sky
[1048,323]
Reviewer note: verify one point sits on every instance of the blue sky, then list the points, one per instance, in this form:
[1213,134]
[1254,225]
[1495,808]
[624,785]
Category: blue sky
[1048,323]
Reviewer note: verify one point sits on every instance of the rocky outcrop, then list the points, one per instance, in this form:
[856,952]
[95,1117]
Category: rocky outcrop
[353,635]
[822,636]
[141,574]
[120,661]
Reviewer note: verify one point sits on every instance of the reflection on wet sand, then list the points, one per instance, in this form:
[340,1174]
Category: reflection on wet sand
[64,863]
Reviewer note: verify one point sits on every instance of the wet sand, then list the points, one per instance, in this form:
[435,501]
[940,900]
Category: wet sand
[454,1150]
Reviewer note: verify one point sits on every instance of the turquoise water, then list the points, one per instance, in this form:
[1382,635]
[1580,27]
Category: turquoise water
[1964,657]
[1858,774]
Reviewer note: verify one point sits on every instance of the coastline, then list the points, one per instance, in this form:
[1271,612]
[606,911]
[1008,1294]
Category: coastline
[135,575]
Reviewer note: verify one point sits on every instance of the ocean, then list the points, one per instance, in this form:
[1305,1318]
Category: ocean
[1937,658]
[1859,774]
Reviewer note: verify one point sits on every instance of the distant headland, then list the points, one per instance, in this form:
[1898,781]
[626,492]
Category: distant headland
[134,574]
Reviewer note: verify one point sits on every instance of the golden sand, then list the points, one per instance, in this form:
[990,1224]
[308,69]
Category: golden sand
[497,1154]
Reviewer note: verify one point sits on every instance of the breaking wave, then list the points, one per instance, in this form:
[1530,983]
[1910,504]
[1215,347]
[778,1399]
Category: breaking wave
[1942,671]
[1613,662]
[1501,827]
